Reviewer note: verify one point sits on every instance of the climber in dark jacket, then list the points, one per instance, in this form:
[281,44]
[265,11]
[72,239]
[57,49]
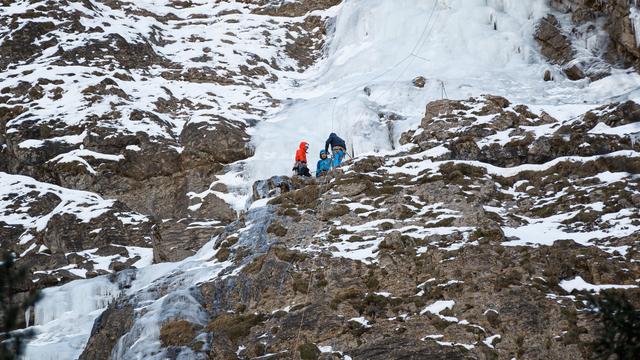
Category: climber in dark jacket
[338,147]
[334,141]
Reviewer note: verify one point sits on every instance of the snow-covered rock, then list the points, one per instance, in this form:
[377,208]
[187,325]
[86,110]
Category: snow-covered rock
[163,131]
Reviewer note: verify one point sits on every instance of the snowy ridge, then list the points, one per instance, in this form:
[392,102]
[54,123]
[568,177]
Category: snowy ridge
[32,211]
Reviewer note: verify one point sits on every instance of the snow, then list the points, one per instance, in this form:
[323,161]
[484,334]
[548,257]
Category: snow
[622,130]
[78,155]
[448,343]
[437,307]
[69,157]
[361,320]
[578,283]
[546,231]
[609,177]
[364,251]
[68,139]
[490,340]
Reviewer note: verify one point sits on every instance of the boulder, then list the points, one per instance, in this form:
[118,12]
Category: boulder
[274,186]
[554,45]
[419,82]
[220,141]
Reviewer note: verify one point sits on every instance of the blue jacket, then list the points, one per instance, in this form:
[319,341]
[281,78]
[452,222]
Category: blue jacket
[323,165]
[333,141]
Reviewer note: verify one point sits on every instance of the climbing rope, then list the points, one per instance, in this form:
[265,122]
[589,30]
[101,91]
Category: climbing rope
[424,36]
[333,111]
[324,182]
[304,311]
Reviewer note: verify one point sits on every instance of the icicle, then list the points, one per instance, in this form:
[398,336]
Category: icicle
[634,139]
[27,316]
[634,17]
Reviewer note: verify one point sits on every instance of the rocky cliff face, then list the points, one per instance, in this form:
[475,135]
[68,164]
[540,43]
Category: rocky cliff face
[592,36]
[98,97]
[124,130]
[476,240]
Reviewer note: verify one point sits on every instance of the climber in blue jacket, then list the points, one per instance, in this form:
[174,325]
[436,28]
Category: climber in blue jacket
[338,147]
[324,164]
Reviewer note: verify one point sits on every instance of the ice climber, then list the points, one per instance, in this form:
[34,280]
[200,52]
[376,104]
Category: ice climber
[338,147]
[300,166]
[324,164]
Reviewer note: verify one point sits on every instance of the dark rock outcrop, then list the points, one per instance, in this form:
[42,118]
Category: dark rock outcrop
[589,18]
[114,322]
[554,45]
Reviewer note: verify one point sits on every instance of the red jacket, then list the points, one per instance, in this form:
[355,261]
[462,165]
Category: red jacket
[301,153]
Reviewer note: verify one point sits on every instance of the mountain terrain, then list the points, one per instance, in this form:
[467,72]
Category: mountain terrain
[493,181]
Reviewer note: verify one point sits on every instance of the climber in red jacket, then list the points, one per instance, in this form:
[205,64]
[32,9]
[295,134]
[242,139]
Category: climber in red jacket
[300,166]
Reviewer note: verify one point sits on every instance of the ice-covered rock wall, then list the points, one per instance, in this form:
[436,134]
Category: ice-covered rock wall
[362,89]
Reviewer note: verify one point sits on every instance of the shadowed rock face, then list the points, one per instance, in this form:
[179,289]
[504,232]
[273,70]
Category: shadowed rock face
[623,48]
[432,251]
[589,18]
[224,142]
[21,46]
[554,44]
[112,323]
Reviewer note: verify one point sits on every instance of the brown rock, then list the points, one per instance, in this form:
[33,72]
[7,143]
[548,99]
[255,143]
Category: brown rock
[107,329]
[419,82]
[554,45]
[574,72]
[222,141]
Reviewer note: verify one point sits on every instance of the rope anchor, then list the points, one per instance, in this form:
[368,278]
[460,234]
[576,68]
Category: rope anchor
[443,90]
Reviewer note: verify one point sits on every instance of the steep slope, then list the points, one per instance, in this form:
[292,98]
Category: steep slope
[146,102]
[133,131]
[431,250]
[69,234]
[364,91]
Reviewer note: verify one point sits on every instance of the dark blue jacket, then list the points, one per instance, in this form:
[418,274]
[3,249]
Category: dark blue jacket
[333,141]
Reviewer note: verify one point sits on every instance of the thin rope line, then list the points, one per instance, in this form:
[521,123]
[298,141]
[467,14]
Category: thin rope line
[424,36]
